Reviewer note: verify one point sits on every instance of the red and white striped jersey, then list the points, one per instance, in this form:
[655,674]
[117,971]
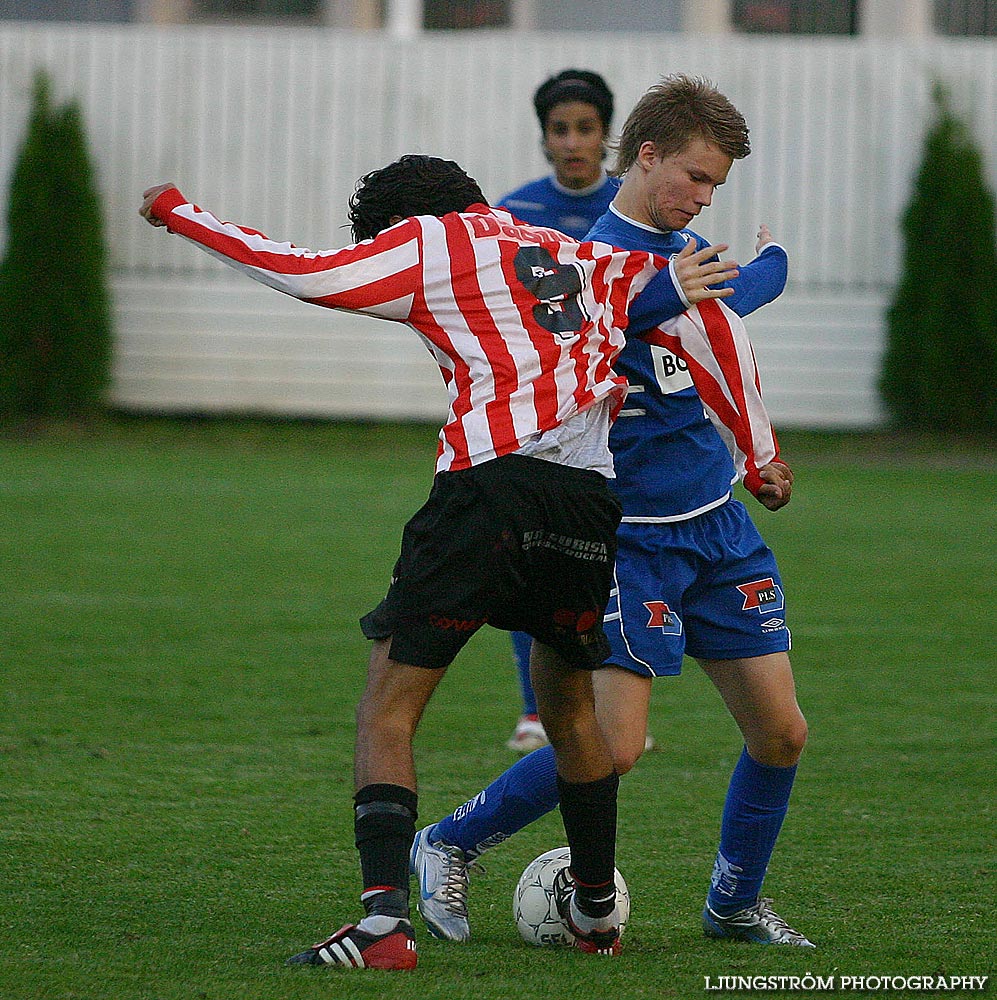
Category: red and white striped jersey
[524,322]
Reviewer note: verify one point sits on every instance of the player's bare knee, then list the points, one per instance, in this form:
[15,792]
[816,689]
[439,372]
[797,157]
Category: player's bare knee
[798,737]
[781,746]
[624,751]
[381,722]
[625,758]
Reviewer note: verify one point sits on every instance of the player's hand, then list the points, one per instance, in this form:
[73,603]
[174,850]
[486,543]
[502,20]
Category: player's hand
[150,195]
[696,272]
[777,485]
[764,238]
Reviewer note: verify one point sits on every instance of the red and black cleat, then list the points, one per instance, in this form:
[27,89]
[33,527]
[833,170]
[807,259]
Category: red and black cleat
[353,948]
[593,942]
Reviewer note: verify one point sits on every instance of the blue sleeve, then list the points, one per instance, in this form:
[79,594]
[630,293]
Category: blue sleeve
[658,301]
[760,281]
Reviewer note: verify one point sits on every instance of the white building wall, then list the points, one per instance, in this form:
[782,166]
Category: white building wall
[272,127]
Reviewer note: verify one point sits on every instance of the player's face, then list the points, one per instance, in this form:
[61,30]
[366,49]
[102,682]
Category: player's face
[679,186]
[574,141]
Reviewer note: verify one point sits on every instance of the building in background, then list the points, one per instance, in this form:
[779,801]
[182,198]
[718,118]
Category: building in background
[274,127]
[889,18]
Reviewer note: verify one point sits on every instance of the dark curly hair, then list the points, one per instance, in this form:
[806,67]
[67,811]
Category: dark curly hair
[574,85]
[412,185]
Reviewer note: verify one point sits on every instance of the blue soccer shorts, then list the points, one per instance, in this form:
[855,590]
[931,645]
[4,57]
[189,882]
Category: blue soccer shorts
[708,586]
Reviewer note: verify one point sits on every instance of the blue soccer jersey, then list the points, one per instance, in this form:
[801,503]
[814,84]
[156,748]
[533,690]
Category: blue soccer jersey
[546,203]
[692,573]
[670,461]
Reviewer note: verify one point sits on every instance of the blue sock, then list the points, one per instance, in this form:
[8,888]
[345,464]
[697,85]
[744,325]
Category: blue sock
[521,645]
[513,800]
[757,800]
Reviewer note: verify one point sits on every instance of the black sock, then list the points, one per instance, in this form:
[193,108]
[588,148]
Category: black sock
[588,810]
[384,826]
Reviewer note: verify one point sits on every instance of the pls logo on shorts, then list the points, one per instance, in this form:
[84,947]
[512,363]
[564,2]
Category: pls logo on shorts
[762,596]
[663,617]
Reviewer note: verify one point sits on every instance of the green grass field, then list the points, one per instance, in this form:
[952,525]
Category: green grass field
[180,660]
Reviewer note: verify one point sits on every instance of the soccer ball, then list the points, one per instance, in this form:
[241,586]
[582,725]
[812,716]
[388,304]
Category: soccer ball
[533,906]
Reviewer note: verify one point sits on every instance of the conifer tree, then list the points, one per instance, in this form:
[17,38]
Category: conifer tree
[940,366]
[55,331]
[79,369]
[21,312]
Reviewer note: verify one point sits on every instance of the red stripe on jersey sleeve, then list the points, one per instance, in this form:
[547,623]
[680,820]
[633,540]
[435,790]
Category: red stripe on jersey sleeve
[249,248]
[721,339]
[583,358]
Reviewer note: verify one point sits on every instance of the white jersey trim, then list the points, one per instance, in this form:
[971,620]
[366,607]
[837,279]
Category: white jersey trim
[632,519]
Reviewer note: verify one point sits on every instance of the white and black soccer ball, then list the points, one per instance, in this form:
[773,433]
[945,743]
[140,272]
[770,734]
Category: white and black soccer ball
[533,906]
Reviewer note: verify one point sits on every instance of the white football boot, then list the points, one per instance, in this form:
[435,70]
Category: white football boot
[758,923]
[442,873]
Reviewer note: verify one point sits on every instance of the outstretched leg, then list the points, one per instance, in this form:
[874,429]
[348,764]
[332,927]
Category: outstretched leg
[386,807]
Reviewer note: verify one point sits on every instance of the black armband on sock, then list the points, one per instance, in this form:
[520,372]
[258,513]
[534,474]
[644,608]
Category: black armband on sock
[384,828]
[397,795]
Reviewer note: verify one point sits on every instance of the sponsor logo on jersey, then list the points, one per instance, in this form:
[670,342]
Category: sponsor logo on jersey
[774,625]
[662,616]
[670,372]
[763,596]
[485,226]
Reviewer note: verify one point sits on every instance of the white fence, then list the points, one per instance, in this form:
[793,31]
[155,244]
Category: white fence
[272,127]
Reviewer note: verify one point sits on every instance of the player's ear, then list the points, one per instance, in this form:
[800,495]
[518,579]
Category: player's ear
[648,154]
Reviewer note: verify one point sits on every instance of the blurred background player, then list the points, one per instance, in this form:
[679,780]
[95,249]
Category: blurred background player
[575,111]
[693,575]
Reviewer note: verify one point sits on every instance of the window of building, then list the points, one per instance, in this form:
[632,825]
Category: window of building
[259,10]
[966,17]
[443,14]
[795,17]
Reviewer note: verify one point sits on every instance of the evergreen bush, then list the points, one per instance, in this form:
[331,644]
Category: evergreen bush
[55,331]
[940,365]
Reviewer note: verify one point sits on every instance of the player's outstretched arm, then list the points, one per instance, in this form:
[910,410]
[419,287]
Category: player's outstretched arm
[377,282]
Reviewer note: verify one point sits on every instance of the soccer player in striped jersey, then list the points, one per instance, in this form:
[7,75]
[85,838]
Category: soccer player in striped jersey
[693,575]
[519,528]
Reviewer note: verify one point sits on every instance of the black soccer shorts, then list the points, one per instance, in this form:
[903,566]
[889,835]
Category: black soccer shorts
[518,543]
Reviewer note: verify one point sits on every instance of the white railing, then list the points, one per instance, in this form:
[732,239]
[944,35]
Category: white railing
[272,127]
